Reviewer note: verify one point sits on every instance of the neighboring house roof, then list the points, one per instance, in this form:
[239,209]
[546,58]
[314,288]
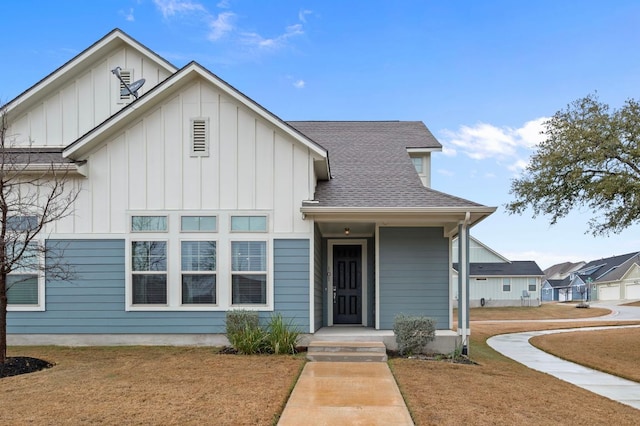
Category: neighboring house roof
[511,269]
[603,269]
[561,270]
[617,273]
[370,166]
[559,283]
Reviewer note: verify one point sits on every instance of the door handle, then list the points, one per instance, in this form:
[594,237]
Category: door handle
[334,294]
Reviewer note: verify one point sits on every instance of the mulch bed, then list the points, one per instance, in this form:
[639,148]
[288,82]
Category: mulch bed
[15,366]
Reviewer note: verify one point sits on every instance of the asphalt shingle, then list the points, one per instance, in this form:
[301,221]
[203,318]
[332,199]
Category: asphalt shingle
[371,167]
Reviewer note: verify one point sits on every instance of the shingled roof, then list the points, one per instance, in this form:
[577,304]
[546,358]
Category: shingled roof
[33,156]
[370,164]
[506,269]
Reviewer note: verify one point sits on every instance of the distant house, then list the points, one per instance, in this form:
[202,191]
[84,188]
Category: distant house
[195,200]
[562,270]
[612,278]
[498,281]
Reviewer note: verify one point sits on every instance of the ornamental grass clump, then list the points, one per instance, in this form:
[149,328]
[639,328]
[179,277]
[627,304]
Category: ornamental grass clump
[413,333]
[244,332]
[248,338]
[282,336]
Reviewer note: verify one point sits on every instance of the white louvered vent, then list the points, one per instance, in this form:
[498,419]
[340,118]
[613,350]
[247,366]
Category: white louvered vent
[199,137]
[127,77]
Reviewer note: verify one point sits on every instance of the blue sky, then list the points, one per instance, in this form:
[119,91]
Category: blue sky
[482,75]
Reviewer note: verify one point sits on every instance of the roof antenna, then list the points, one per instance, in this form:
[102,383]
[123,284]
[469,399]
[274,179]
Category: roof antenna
[128,88]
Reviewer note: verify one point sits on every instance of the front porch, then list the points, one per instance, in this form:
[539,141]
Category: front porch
[446,340]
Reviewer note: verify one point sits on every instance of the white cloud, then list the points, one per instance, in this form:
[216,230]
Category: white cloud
[128,15]
[445,172]
[255,39]
[224,4]
[172,7]
[221,25]
[302,15]
[504,144]
[299,84]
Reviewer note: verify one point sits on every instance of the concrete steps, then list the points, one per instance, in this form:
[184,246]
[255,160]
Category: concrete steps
[347,351]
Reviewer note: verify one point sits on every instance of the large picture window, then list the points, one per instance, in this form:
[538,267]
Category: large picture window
[198,272]
[248,272]
[149,272]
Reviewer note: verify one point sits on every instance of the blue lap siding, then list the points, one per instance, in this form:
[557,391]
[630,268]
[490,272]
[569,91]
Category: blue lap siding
[414,274]
[93,301]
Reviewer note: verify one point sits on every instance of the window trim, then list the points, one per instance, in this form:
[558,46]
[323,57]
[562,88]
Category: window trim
[165,272]
[40,306]
[214,273]
[506,282]
[199,231]
[249,231]
[267,274]
[223,237]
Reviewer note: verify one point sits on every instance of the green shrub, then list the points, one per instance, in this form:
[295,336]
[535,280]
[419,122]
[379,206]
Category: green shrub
[240,319]
[413,333]
[244,332]
[282,337]
[247,337]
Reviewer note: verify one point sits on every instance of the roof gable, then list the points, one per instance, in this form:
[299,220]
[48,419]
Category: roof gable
[79,149]
[81,62]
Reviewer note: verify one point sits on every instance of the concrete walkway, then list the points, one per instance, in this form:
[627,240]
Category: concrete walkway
[517,347]
[345,393]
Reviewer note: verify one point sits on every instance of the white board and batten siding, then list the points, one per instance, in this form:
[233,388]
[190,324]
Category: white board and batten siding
[252,167]
[78,102]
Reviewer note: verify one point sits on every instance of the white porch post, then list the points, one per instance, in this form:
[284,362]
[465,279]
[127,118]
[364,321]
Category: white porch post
[463,284]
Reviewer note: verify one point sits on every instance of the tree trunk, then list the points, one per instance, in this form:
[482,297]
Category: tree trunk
[3,321]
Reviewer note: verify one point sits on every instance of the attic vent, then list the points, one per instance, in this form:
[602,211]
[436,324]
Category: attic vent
[199,137]
[127,78]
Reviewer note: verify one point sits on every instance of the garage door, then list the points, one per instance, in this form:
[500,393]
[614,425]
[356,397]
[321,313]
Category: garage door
[609,293]
[633,291]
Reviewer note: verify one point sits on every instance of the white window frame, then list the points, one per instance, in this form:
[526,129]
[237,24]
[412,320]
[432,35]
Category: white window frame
[40,306]
[189,231]
[213,273]
[222,236]
[532,282]
[249,216]
[506,282]
[267,273]
[149,272]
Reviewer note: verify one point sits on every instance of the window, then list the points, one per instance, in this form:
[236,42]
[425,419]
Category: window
[149,272]
[199,137]
[148,223]
[22,223]
[506,284]
[248,272]
[198,272]
[417,163]
[248,223]
[23,284]
[22,289]
[198,223]
[532,285]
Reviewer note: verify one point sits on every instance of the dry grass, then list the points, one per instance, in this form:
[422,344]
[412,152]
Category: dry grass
[500,391]
[547,311]
[612,351]
[165,385]
[148,385]
[632,304]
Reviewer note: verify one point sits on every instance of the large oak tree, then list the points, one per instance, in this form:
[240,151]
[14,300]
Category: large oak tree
[589,158]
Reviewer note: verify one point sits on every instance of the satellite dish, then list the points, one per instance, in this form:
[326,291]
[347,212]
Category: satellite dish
[132,88]
[129,89]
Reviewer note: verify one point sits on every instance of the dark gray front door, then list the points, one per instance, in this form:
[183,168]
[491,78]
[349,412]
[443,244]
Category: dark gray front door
[347,284]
